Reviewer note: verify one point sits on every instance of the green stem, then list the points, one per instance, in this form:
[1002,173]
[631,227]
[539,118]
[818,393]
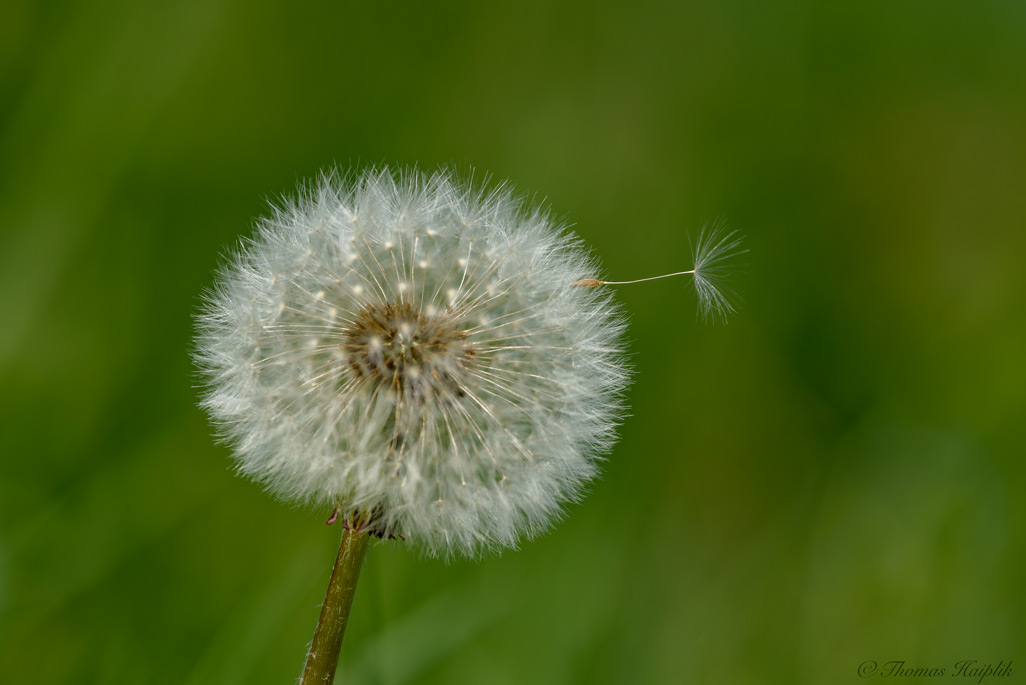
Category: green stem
[322,659]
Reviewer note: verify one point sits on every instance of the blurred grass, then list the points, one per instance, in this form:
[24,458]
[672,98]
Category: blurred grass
[834,477]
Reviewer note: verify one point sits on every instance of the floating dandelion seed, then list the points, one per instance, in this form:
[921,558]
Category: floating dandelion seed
[710,253]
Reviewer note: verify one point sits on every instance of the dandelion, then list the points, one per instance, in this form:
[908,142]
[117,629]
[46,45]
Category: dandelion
[409,351]
[411,354]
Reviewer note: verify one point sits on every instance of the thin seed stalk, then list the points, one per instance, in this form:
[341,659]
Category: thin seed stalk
[322,660]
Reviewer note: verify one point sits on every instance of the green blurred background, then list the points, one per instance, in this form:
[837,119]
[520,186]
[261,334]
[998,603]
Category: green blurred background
[836,476]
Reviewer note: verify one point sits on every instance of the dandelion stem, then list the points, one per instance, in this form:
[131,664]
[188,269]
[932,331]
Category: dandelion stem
[322,659]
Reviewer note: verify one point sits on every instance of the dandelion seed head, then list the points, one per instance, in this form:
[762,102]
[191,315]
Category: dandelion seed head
[411,350]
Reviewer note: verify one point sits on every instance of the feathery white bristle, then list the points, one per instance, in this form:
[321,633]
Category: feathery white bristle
[710,253]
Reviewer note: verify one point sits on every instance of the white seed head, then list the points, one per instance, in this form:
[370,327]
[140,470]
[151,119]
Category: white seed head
[413,351]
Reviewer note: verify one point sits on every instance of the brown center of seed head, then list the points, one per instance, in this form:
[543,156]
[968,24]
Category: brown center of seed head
[416,354]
